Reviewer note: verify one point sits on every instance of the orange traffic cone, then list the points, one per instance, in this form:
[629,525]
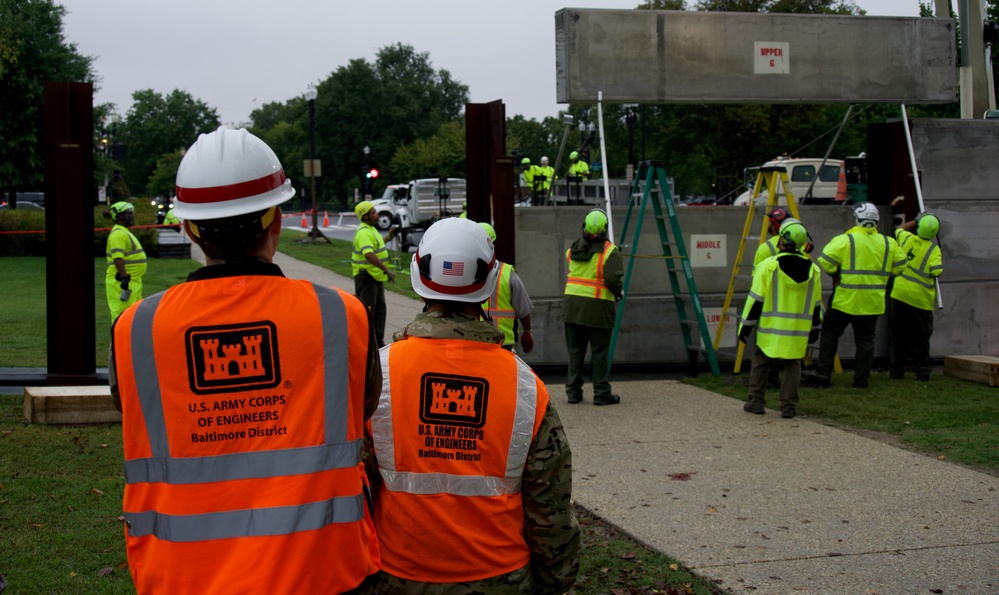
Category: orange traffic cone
[326,219]
[304,222]
[841,187]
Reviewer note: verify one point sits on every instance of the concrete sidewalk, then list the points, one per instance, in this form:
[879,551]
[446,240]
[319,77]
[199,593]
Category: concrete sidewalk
[764,504]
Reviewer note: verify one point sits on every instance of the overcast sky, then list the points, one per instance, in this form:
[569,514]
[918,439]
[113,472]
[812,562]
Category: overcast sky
[238,55]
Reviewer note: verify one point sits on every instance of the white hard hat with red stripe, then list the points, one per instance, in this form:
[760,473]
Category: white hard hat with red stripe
[455,261]
[228,173]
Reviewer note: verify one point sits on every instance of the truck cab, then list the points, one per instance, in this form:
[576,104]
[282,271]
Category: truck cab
[386,206]
[417,205]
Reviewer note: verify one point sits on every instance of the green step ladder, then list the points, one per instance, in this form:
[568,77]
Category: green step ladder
[656,191]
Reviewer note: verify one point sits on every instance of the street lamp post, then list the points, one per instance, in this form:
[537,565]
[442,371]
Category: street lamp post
[115,118]
[310,96]
[366,178]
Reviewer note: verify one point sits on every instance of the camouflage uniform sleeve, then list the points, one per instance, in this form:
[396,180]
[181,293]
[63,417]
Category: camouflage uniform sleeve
[551,529]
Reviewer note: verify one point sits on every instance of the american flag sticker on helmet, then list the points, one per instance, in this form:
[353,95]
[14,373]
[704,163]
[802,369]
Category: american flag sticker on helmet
[454,268]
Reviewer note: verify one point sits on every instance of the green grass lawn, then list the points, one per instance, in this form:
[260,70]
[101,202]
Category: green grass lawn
[22,316]
[945,417]
[336,256]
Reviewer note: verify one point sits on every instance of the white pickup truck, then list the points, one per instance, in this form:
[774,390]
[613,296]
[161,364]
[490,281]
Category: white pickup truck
[417,205]
[800,173]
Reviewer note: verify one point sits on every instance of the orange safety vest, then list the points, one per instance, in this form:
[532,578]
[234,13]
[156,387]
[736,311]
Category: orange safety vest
[452,431]
[586,279]
[242,420]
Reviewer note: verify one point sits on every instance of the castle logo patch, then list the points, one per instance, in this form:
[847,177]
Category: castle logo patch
[453,400]
[232,357]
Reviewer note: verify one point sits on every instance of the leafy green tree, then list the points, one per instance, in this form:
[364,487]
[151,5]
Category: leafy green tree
[442,154]
[157,125]
[383,105]
[285,129]
[33,49]
[163,180]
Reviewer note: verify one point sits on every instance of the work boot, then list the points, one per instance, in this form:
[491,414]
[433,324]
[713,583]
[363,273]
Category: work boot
[750,407]
[896,374]
[814,381]
[575,398]
[858,383]
[787,413]
[608,400]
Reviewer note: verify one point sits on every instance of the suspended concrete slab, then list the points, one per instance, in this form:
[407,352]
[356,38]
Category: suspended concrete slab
[661,56]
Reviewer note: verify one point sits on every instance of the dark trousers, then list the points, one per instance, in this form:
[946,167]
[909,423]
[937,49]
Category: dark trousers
[833,326]
[763,365]
[577,337]
[372,295]
[911,329]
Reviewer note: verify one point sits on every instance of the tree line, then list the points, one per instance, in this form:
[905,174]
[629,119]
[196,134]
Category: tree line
[409,115]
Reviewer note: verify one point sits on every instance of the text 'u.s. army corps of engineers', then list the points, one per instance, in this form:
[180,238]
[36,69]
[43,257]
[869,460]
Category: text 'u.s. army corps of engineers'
[229,412]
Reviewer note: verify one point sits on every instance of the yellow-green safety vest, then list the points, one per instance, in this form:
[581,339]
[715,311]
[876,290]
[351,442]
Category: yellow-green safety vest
[123,244]
[500,306]
[586,279]
[765,251]
[924,263]
[864,260]
[368,239]
[580,169]
[788,307]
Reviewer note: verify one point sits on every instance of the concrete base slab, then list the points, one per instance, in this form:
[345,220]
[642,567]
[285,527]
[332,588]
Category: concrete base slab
[976,368]
[57,405]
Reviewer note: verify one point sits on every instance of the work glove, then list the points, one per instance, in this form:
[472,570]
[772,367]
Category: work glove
[744,332]
[124,281]
[527,342]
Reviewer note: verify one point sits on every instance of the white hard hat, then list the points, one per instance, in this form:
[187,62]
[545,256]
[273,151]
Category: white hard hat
[867,214]
[544,160]
[227,173]
[455,261]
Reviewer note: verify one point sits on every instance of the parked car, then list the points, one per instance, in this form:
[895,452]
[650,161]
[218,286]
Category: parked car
[800,173]
[699,201]
[27,206]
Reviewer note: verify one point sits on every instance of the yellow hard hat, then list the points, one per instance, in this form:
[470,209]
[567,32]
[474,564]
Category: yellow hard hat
[363,207]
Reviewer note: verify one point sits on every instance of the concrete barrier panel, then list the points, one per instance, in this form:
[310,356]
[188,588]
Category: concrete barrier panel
[661,56]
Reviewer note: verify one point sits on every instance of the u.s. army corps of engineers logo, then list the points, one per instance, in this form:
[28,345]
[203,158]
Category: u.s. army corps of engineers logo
[234,357]
[453,400]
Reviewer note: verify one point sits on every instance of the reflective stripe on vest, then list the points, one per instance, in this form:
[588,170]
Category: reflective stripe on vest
[500,306]
[589,279]
[336,452]
[458,485]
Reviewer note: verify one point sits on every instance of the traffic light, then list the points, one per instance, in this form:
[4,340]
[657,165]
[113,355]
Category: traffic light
[372,174]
